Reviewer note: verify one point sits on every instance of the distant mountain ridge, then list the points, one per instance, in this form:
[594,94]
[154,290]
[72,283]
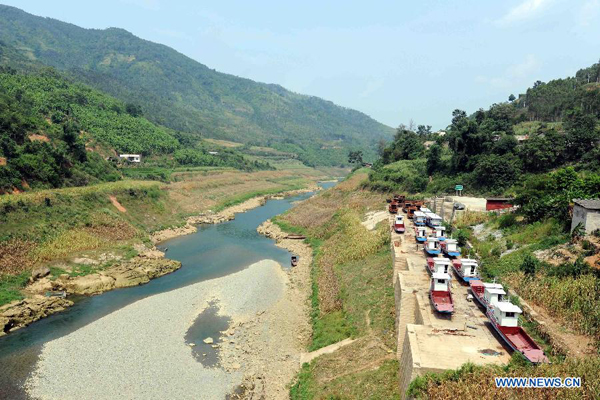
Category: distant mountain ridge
[182,94]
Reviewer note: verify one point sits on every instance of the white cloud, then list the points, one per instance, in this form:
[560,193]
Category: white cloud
[527,9]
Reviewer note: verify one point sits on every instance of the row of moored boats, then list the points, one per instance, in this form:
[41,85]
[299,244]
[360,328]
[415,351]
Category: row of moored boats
[443,254]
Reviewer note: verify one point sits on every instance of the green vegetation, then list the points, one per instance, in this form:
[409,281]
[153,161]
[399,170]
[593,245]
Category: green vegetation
[187,96]
[496,151]
[352,295]
[57,133]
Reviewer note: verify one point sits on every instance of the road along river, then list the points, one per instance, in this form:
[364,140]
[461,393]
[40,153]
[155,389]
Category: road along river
[148,341]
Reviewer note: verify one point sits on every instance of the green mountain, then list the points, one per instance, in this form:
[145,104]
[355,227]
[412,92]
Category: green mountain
[180,93]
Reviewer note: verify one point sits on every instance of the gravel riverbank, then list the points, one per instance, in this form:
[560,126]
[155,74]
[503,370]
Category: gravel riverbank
[139,351]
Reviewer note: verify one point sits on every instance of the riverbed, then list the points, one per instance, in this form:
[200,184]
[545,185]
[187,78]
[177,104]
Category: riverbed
[212,253]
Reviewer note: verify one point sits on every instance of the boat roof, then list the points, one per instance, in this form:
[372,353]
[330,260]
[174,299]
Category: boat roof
[419,214]
[432,239]
[495,290]
[440,275]
[440,228]
[425,210]
[432,215]
[441,260]
[452,241]
[506,306]
[493,285]
[469,261]
[399,217]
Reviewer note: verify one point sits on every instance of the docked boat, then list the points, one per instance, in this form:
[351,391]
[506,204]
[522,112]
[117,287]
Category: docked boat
[504,318]
[406,205]
[393,207]
[421,234]
[432,246]
[487,293]
[440,232]
[438,265]
[399,224]
[433,220]
[466,268]
[410,213]
[419,218]
[440,295]
[450,247]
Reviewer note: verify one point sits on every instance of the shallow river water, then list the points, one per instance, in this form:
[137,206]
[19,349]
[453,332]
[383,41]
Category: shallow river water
[214,251]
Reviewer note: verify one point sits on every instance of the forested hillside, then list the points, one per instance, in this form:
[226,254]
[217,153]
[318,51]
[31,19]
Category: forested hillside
[552,125]
[184,95]
[57,133]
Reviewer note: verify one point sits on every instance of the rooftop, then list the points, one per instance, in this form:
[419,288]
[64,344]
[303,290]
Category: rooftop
[591,204]
[505,306]
[439,275]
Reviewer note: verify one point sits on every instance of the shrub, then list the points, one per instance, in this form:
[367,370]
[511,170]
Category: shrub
[507,220]
[529,265]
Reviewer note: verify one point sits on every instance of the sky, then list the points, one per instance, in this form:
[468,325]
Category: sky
[396,61]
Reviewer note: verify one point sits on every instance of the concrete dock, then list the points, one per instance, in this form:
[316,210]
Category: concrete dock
[428,341]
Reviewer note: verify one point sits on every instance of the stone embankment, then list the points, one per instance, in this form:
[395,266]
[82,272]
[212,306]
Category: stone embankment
[139,270]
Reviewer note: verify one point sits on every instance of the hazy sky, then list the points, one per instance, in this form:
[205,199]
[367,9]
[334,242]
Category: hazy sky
[394,60]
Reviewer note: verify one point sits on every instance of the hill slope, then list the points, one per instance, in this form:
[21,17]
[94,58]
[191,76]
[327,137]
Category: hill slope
[183,94]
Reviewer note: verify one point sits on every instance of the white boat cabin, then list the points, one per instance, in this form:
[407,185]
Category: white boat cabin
[433,220]
[494,295]
[419,218]
[441,265]
[507,314]
[421,231]
[399,220]
[425,210]
[440,231]
[451,245]
[469,267]
[433,243]
[440,282]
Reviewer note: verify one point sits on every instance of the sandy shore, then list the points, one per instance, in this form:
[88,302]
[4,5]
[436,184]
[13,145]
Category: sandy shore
[226,215]
[269,345]
[139,351]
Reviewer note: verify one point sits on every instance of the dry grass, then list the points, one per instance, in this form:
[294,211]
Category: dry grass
[15,256]
[480,384]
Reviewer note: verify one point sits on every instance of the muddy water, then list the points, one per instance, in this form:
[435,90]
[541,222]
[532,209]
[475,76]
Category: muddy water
[212,252]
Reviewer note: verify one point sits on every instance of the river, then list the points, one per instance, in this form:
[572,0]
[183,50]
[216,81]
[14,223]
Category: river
[214,251]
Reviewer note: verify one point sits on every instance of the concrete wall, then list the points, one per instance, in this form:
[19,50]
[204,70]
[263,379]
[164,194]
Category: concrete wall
[590,219]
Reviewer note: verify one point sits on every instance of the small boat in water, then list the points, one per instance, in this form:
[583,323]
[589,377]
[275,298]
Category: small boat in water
[504,318]
[295,260]
[432,246]
[487,293]
[440,295]
[466,268]
[399,224]
[450,247]
[438,265]
[421,234]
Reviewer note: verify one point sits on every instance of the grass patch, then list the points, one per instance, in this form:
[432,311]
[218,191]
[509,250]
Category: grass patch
[10,287]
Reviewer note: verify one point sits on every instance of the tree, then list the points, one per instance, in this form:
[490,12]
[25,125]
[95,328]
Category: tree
[496,172]
[434,159]
[424,130]
[511,98]
[529,265]
[381,144]
[355,157]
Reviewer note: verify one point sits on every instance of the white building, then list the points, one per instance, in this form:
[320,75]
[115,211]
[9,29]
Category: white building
[586,213]
[136,158]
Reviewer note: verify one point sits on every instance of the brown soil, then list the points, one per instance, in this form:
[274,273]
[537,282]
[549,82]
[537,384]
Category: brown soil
[117,205]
